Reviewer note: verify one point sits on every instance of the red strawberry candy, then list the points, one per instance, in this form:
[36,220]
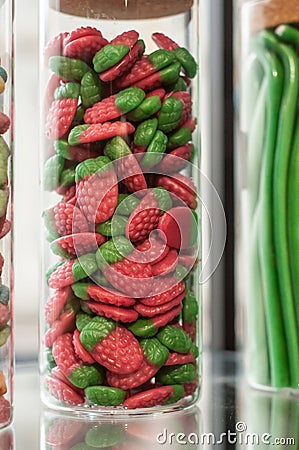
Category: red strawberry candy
[143,219]
[80,350]
[175,161]
[190,388]
[113,312]
[84,43]
[65,324]
[72,367]
[71,271]
[59,375]
[74,153]
[123,65]
[166,265]
[151,250]
[82,134]
[97,189]
[5,411]
[154,356]
[180,186]
[63,392]
[77,244]
[4,123]
[149,327]
[128,170]
[55,46]
[145,67]
[112,345]
[56,303]
[85,291]
[114,106]
[185,98]
[53,83]
[153,397]
[176,288]
[178,224]
[179,358]
[164,42]
[128,38]
[60,117]
[5,229]
[130,277]
[66,219]
[4,315]
[151,311]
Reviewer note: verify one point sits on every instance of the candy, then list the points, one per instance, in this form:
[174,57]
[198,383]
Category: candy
[65,219]
[114,106]
[153,397]
[147,328]
[83,43]
[143,219]
[3,387]
[77,244]
[63,392]
[121,125]
[128,169]
[175,339]
[76,371]
[155,355]
[71,271]
[4,123]
[60,116]
[151,311]
[97,132]
[95,177]
[146,66]
[124,64]
[80,350]
[55,304]
[178,374]
[68,68]
[108,56]
[105,395]
[113,312]
[112,345]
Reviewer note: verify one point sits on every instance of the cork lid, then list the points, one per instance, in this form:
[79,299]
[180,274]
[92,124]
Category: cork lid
[269,13]
[121,9]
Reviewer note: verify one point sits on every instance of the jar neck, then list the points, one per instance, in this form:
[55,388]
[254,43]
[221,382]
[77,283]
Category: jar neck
[122,9]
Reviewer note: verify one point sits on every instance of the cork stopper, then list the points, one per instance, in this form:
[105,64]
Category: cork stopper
[269,13]
[121,9]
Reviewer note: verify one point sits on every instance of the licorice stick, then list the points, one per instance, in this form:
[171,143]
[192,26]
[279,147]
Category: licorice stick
[280,182]
[275,331]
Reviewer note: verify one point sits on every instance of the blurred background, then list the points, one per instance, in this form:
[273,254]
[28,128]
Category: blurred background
[217,164]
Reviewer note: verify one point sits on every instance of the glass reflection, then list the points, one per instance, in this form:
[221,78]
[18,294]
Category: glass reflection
[170,431]
[269,419]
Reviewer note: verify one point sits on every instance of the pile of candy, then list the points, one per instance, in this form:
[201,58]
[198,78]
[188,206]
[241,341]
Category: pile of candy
[5,226]
[121,318]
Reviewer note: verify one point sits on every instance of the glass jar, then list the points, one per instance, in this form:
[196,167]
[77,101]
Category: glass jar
[267,158]
[120,308]
[6,265]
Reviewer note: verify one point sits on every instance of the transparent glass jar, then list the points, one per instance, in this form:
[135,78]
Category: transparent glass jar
[120,308]
[6,255]
[267,158]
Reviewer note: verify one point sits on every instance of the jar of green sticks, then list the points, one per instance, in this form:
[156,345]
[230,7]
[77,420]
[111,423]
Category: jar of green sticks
[267,161]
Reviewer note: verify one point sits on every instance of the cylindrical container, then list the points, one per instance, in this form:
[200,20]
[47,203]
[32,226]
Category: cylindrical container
[120,306]
[6,254]
[267,156]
